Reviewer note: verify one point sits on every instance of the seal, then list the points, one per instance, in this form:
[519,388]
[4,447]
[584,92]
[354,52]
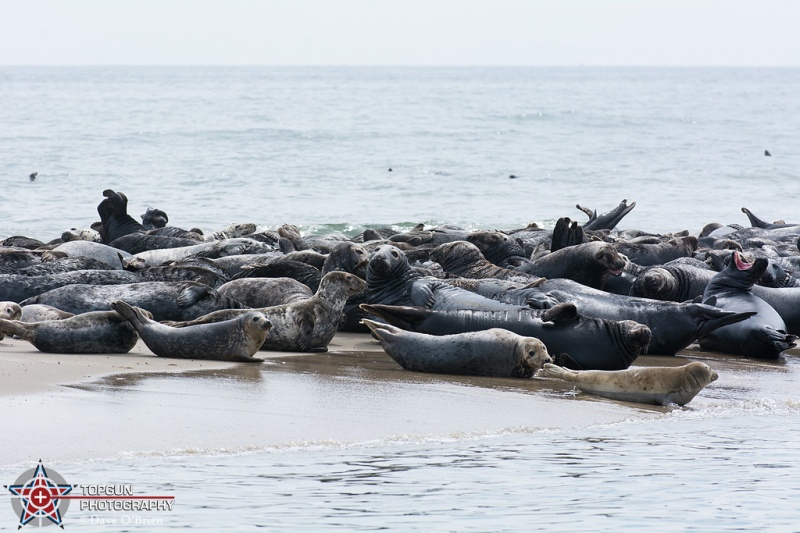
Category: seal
[87,333]
[590,264]
[265,292]
[114,217]
[493,352]
[231,340]
[606,220]
[580,342]
[101,252]
[18,288]
[651,385]
[762,336]
[9,311]
[166,300]
[81,234]
[499,248]
[304,326]
[465,259]
[657,254]
[392,281]
[41,313]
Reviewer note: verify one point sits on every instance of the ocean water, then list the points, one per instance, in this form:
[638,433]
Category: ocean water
[315,146]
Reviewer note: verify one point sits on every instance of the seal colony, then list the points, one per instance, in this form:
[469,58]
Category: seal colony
[582,301]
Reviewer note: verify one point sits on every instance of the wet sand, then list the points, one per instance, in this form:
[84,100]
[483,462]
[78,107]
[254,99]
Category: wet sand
[66,408]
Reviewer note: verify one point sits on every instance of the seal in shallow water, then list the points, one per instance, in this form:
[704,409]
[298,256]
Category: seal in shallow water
[656,385]
[95,332]
[229,340]
[492,352]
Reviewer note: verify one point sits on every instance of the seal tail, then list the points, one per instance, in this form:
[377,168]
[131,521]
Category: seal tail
[132,314]
[550,370]
[715,318]
[12,328]
[403,317]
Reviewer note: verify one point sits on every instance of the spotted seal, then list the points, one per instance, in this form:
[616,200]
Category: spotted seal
[304,326]
[493,352]
[94,332]
[167,300]
[230,340]
[652,385]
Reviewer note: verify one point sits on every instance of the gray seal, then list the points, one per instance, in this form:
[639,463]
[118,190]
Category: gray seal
[41,313]
[265,292]
[167,300]
[9,311]
[465,259]
[577,341]
[87,333]
[493,352]
[590,264]
[230,340]
[763,335]
[304,326]
[652,385]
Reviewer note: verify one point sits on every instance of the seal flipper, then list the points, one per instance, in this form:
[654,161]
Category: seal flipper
[190,295]
[776,338]
[12,328]
[714,318]
[132,314]
[560,314]
[403,317]
[754,220]
[550,370]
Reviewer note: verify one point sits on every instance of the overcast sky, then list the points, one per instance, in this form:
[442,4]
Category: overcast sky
[400,32]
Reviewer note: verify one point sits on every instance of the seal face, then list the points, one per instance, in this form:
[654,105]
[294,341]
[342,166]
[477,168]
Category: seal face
[230,340]
[652,385]
[494,352]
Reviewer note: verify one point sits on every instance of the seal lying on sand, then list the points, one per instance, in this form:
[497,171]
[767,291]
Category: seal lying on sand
[304,326]
[656,385]
[95,332]
[579,342]
[492,352]
[230,340]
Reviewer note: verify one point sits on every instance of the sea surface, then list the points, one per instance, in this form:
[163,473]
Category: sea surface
[341,149]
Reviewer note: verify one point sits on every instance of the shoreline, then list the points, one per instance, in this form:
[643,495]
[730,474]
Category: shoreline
[68,408]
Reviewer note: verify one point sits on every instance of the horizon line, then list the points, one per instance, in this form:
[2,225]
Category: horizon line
[370,65]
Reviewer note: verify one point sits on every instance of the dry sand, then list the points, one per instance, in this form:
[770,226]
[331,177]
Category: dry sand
[79,407]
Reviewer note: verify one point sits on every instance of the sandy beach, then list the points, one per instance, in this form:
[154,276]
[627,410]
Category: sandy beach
[101,406]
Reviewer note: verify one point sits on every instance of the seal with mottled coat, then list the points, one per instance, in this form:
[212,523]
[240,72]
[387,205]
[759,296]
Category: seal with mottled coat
[230,340]
[652,385]
[87,333]
[492,352]
[265,292]
[167,300]
[304,326]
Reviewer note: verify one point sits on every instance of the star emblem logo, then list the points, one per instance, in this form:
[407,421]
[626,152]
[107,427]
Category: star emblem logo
[38,497]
